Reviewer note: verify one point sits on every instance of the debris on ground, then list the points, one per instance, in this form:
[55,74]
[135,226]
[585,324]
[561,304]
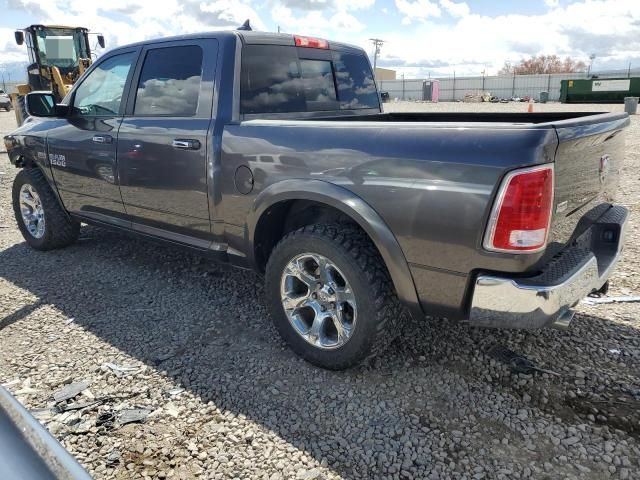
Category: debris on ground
[42,414]
[118,418]
[106,419]
[516,362]
[175,391]
[604,300]
[70,391]
[132,415]
[113,458]
[120,370]
[78,405]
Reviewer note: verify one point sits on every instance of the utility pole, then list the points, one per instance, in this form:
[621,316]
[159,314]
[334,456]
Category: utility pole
[454,85]
[377,43]
[592,57]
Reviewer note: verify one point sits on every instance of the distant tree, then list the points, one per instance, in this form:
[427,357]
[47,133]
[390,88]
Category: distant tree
[543,64]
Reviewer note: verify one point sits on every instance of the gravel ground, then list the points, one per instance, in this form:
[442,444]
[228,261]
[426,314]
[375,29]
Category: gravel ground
[227,399]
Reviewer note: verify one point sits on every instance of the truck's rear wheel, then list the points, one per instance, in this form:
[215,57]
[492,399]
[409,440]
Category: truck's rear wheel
[42,221]
[330,296]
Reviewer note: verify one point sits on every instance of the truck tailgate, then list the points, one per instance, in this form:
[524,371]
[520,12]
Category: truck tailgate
[588,162]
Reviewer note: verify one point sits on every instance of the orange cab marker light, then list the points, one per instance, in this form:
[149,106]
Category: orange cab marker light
[310,42]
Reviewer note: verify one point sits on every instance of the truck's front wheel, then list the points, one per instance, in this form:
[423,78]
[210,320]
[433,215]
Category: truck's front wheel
[42,221]
[330,295]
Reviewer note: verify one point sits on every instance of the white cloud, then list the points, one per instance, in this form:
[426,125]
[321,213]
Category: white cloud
[355,4]
[10,52]
[232,12]
[126,21]
[316,22]
[345,21]
[417,10]
[421,36]
[610,29]
[552,3]
[455,9]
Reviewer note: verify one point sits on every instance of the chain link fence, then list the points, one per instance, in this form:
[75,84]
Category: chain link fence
[503,86]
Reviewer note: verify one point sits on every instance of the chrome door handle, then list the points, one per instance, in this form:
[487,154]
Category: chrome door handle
[102,139]
[186,144]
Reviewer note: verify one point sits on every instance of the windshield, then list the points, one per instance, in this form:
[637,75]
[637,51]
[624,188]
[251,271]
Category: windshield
[61,47]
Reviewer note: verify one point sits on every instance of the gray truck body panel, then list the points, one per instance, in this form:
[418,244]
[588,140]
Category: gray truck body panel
[421,185]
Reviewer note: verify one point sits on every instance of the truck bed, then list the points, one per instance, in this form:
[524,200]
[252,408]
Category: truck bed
[470,117]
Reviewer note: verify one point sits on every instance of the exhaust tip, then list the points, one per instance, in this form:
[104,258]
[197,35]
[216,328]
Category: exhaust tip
[564,320]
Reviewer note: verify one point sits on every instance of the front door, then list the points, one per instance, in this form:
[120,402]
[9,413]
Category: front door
[162,141]
[82,147]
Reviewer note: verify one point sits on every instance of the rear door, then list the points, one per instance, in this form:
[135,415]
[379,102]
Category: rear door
[82,147]
[162,141]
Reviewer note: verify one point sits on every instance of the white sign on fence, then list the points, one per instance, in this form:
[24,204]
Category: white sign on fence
[610,85]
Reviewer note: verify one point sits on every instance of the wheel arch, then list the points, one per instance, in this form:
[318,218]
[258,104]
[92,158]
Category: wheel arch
[277,197]
[24,159]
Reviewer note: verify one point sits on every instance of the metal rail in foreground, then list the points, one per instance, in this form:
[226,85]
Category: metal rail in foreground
[27,449]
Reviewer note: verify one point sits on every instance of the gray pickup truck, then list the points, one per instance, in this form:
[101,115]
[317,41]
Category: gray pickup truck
[271,152]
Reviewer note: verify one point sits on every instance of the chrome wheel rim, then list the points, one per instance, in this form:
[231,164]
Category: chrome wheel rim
[318,301]
[32,211]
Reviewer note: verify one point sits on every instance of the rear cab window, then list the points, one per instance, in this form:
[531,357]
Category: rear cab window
[289,79]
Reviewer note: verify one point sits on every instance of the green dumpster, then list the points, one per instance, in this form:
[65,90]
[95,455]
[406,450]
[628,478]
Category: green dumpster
[599,90]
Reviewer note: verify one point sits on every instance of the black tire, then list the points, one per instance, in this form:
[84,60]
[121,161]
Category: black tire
[59,229]
[379,310]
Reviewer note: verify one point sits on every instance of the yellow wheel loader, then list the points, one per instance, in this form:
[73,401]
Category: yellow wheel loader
[58,56]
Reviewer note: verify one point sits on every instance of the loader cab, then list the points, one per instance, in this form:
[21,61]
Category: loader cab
[58,55]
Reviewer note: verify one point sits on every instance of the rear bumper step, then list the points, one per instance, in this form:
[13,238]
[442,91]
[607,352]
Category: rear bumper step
[547,298]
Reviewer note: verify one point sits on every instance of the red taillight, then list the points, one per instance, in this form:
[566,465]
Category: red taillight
[520,217]
[310,42]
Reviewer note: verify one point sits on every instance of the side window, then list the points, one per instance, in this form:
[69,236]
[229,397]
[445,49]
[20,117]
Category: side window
[356,86]
[100,94]
[269,80]
[169,82]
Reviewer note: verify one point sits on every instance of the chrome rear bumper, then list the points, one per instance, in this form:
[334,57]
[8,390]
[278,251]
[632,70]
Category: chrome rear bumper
[547,298]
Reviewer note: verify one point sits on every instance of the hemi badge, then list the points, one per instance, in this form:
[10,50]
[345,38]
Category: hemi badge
[562,206]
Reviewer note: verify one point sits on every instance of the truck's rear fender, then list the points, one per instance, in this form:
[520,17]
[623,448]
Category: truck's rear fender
[352,206]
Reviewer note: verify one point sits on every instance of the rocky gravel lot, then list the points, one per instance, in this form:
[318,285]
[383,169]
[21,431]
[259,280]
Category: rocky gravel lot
[162,334]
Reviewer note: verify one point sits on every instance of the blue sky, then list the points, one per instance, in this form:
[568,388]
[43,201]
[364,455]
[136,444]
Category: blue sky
[423,37]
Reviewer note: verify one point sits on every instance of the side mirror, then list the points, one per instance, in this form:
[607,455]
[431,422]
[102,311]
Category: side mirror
[19,37]
[41,104]
[101,40]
